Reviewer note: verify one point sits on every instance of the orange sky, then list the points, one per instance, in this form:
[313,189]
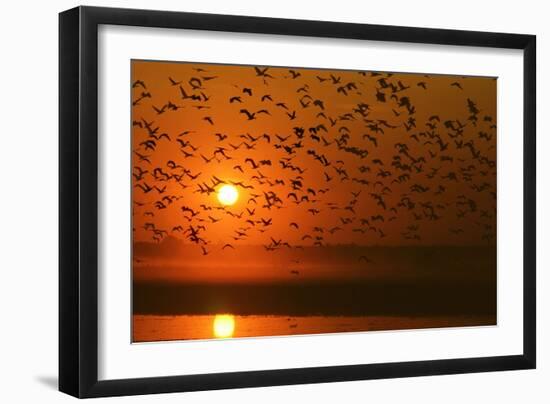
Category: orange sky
[440,188]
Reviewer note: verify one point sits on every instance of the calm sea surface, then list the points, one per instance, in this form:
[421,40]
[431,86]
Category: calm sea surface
[148,328]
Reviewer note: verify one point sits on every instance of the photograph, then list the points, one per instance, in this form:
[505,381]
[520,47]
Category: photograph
[280,200]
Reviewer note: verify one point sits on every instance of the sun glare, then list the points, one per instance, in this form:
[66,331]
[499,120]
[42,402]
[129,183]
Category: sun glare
[224,325]
[228,195]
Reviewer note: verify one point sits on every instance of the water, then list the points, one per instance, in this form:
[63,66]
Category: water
[147,328]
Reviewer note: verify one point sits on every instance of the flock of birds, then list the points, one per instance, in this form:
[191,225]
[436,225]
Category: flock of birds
[351,151]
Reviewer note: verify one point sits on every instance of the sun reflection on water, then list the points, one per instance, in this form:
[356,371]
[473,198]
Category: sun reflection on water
[224,325]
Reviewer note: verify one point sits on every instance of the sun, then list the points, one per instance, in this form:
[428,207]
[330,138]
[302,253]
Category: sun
[228,195]
[224,325]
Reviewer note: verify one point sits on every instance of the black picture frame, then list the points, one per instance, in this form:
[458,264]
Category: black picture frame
[78,201]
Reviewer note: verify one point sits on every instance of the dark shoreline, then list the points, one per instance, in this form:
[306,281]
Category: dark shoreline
[400,281]
[407,298]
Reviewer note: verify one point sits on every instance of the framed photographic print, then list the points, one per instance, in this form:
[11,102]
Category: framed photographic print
[251,201]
